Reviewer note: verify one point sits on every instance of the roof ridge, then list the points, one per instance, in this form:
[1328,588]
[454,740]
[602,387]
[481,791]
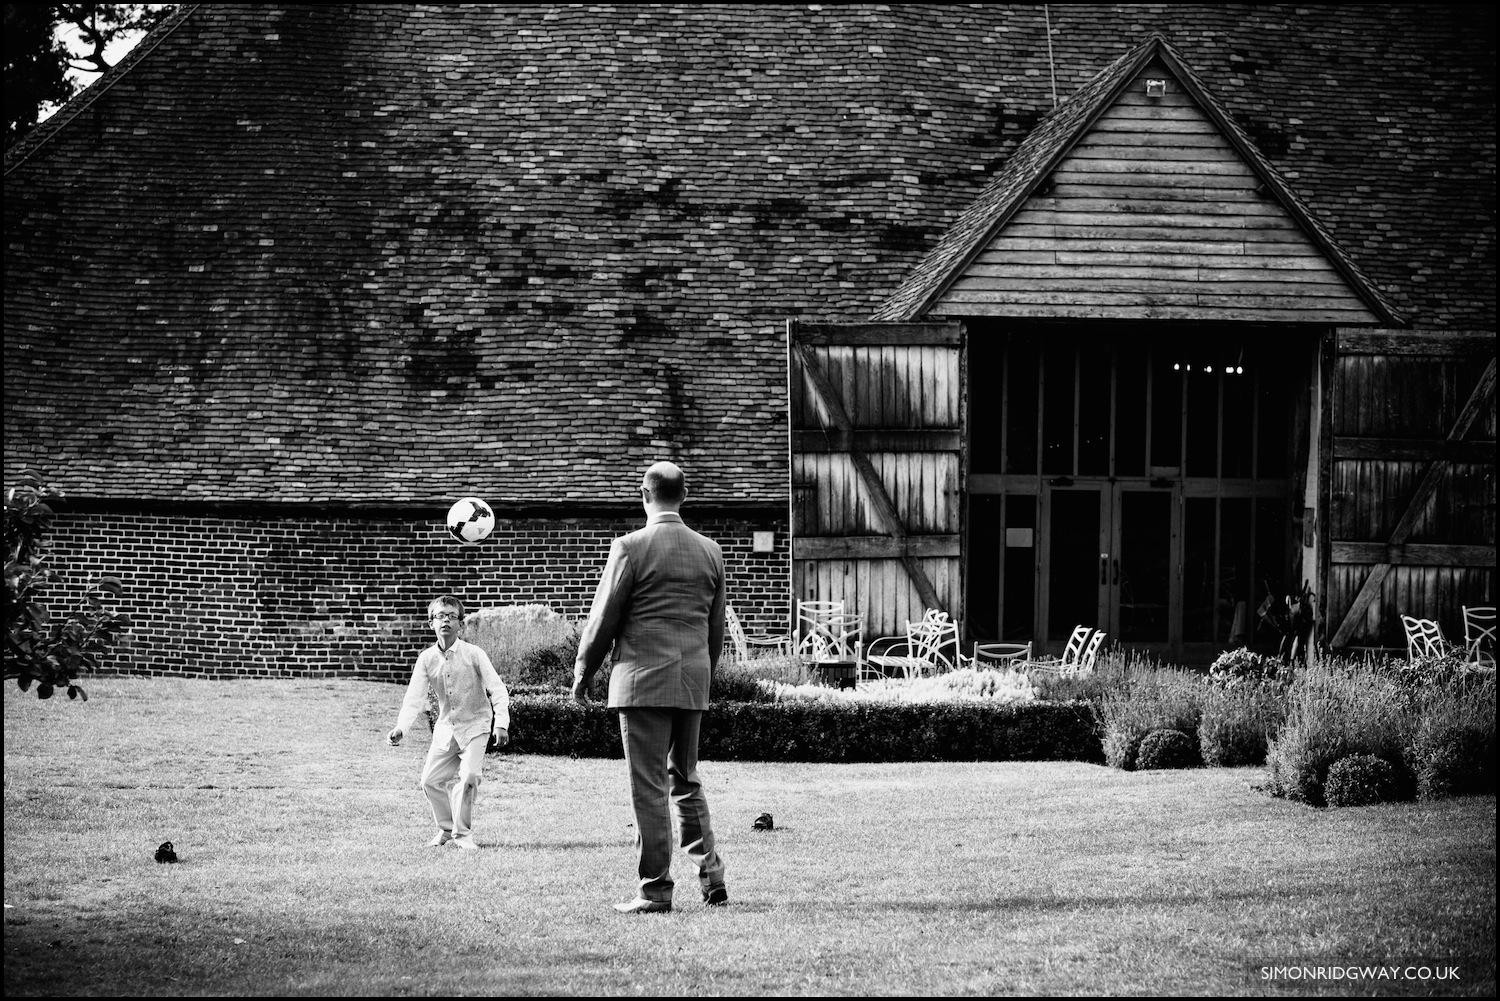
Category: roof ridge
[75,105]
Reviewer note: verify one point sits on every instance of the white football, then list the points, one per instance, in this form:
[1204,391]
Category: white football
[470,521]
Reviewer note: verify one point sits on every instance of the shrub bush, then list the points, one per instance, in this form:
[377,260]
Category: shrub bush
[1233,667]
[1452,748]
[1239,721]
[1336,709]
[1359,780]
[1430,672]
[1167,749]
[512,634]
[831,731]
[552,664]
[1150,699]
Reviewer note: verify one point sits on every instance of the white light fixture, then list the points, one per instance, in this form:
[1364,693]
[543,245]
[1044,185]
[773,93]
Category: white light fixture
[1156,88]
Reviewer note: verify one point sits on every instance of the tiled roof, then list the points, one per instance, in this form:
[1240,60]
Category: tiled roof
[1045,147]
[399,253]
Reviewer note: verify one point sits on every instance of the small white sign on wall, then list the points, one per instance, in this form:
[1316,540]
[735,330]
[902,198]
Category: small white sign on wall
[1018,538]
[765,542]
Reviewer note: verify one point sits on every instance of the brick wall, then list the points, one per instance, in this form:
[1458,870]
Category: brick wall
[347,597]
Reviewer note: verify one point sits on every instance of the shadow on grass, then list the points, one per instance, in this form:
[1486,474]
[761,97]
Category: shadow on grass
[1009,905]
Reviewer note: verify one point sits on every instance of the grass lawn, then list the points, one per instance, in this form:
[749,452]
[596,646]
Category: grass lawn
[303,869]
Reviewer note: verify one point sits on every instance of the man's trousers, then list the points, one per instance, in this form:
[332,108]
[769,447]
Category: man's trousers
[661,754]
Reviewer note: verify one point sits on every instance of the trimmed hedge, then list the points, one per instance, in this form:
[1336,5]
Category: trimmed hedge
[1361,780]
[830,732]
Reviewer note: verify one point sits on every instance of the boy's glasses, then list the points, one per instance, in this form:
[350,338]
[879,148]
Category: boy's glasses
[445,616]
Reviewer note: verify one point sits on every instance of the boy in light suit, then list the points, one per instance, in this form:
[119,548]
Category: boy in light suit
[467,690]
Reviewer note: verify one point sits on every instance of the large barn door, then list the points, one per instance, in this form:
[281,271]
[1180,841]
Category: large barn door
[1411,510]
[876,442]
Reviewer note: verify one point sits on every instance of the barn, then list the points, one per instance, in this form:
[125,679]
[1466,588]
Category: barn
[1126,315]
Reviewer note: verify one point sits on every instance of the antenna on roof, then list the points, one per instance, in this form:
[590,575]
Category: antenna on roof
[1050,64]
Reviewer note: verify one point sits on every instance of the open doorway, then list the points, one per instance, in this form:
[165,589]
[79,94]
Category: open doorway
[1133,478]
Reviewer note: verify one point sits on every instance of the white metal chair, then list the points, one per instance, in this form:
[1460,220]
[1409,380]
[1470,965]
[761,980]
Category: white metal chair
[1424,638]
[1479,634]
[923,650]
[815,624]
[1090,658]
[744,642]
[832,640]
[1072,659]
[1000,655]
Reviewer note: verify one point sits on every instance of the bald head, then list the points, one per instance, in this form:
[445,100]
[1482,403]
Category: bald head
[664,486]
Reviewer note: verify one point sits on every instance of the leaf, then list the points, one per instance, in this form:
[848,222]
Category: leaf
[23,683]
[73,691]
[112,585]
[44,691]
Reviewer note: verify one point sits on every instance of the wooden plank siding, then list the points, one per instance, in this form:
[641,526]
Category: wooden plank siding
[1411,503]
[1154,215]
[876,440]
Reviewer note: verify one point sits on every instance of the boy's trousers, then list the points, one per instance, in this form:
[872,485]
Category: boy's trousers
[450,779]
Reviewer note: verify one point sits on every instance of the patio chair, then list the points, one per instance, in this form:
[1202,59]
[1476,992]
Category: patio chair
[815,624]
[1479,635]
[1424,638]
[831,639]
[923,650]
[743,643]
[1000,655]
[1071,660]
[1090,658]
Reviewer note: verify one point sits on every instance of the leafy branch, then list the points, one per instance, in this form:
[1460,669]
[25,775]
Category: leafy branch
[49,650]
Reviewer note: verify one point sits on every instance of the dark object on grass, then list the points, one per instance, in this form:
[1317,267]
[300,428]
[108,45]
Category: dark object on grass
[1166,749]
[1361,780]
[165,853]
[764,823]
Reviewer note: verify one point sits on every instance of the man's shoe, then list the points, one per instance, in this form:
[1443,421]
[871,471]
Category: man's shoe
[717,897]
[640,905]
[440,839]
[466,842]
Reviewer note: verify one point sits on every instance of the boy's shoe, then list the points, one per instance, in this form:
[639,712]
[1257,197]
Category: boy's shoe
[466,842]
[440,839]
[717,897]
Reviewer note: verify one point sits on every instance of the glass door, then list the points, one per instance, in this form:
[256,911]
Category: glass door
[1109,563]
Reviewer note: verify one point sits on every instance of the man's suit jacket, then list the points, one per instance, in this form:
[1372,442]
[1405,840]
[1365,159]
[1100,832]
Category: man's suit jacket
[661,604]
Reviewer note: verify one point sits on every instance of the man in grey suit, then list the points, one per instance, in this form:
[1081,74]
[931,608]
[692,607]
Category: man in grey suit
[660,604]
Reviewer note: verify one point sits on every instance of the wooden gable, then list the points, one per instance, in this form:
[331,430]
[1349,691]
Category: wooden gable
[1154,213]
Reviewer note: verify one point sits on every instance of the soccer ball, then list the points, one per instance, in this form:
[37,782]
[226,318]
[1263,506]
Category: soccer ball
[470,521]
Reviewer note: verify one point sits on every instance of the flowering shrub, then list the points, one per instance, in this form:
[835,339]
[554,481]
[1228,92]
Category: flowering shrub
[1236,666]
[1000,686]
[1336,709]
[1239,721]
[528,644]
[1452,747]
[1148,699]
